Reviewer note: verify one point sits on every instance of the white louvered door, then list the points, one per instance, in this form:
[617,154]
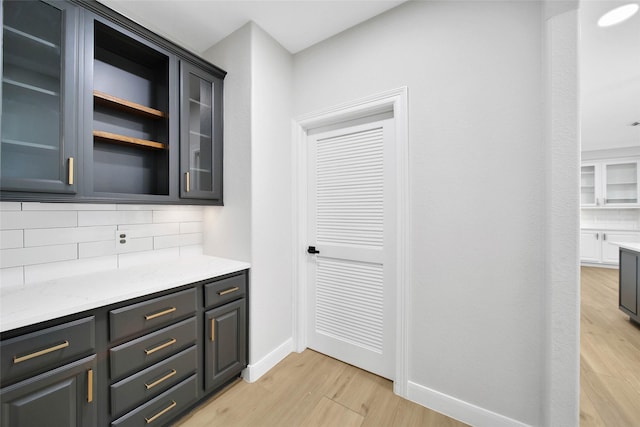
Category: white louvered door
[351,294]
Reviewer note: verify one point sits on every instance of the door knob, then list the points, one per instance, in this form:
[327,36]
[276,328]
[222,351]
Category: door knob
[312,250]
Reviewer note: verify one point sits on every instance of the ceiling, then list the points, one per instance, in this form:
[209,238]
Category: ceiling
[609,78]
[296,24]
[609,57]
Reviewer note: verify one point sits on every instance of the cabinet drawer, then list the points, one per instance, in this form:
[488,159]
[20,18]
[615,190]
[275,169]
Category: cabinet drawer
[163,408]
[225,290]
[130,392]
[45,349]
[141,352]
[149,314]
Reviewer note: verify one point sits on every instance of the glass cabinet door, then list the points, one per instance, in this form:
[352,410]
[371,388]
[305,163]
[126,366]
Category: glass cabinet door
[37,145]
[201,134]
[588,185]
[621,183]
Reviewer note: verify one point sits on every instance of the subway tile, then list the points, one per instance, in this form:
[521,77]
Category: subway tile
[193,250]
[57,270]
[11,278]
[190,239]
[37,255]
[149,230]
[96,249]
[178,216]
[56,236]
[10,206]
[34,206]
[161,242]
[11,239]
[37,219]
[191,227]
[138,258]
[147,207]
[114,217]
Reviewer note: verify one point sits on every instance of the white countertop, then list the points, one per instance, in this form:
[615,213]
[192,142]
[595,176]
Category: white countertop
[56,298]
[630,246]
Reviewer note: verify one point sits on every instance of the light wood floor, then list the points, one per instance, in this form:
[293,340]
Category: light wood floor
[311,389]
[609,355]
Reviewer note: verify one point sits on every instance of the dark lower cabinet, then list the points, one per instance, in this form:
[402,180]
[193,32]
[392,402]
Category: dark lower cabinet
[225,343]
[629,283]
[62,397]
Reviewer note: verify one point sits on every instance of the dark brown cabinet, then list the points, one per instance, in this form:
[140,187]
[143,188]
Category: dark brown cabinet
[92,109]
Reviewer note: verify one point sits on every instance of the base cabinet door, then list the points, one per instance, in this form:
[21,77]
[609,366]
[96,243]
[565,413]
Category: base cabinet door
[226,342]
[590,246]
[63,397]
[629,281]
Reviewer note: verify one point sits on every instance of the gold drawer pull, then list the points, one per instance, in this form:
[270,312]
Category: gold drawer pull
[161,413]
[228,291]
[213,329]
[161,346]
[90,385]
[70,171]
[166,377]
[17,359]
[160,313]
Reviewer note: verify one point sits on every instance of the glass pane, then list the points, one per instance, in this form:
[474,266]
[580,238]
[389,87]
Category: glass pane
[587,185]
[200,134]
[31,91]
[622,183]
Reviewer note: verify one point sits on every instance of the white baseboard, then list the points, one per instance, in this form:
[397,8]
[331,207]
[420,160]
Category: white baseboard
[254,371]
[458,409]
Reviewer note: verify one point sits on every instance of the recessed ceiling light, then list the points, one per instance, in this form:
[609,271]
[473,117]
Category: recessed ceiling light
[618,15]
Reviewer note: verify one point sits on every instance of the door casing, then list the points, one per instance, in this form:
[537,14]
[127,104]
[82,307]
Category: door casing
[395,101]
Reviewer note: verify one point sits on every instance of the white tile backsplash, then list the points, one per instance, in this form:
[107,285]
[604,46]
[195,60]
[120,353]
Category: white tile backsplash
[52,236]
[15,220]
[610,219]
[89,218]
[11,239]
[42,241]
[37,255]
[11,278]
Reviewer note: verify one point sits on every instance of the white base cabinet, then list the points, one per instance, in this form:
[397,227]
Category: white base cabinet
[598,246]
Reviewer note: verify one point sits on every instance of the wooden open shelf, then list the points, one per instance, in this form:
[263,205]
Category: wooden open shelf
[128,140]
[128,106]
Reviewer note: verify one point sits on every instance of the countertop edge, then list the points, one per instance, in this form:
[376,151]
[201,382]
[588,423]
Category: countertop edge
[45,301]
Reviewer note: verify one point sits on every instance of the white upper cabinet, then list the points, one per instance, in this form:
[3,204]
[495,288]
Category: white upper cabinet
[610,183]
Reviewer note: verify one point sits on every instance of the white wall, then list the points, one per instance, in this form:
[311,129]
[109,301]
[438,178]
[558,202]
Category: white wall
[258,167]
[228,228]
[43,241]
[477,158]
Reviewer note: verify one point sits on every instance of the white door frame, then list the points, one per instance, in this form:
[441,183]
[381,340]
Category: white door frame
[396,101]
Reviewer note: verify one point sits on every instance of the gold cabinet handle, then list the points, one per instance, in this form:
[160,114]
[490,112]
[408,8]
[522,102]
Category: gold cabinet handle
[90,385]
[228,291]
[160,347]
[213,329]
[187,179]
[160,313]
[18,359]
[161,413]
[158,381]
[70,171]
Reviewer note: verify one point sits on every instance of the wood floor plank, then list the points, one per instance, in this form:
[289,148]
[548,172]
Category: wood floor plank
[331,414]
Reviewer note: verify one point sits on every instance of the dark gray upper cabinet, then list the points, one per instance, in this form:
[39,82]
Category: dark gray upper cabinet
[96,108]
[201,134]
[39,72]
[130,129]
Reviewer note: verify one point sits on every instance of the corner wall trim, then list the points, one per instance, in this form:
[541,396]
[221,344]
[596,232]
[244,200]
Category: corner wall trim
[254,371]
[458,409]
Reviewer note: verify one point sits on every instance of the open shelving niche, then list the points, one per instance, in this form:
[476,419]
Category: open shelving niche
[131,122]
